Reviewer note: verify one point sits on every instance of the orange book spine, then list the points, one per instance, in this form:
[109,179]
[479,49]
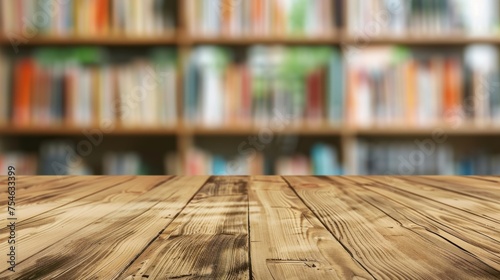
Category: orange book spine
[453,88]
[411,102]
[227,10]
[448,89]
[280,18]
[257,14]
[351,111]
[24,75]
[102,16]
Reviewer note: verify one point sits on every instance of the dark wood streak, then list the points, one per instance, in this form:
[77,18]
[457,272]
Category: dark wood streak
[208,240]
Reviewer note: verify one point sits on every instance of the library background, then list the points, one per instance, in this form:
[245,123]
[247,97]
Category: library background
[192,87]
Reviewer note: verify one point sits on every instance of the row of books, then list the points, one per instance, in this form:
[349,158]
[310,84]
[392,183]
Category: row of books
[482,81]
[389,85]
[300,83]
[383,85]
[125,163]
[61,157]
[132,163]
[201,162]
[24,19]
[421,157]
[78,87]
[261,17]
[323,160]
[56,157]
[25,164]
[422,17]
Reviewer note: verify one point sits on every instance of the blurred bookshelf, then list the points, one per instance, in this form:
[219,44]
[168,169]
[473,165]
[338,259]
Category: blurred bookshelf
[355,76]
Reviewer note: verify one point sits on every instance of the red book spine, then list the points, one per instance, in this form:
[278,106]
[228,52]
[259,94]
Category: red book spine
[313,97]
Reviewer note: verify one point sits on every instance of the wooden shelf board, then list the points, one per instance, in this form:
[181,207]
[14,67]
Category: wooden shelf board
[248,40]
[109,40]
[254,130]
[232,130]
[465,130]
[437,40]
[76,131]
[462,130]
[334,38]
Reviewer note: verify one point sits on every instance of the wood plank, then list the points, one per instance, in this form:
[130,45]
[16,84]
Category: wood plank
[466,196]
[31,203]
[39,191]
[495,179]
[486,214]
[107,245]
[482,189]
[65,219]
[29,182]
[474,234]
[288,242]
[384,246]
[208,240]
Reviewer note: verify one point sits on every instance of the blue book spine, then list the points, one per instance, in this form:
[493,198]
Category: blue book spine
[191,87]
[335,88]
[218,166]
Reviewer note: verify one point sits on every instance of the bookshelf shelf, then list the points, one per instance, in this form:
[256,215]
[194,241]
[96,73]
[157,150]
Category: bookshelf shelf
[178,130]
[462,130]
[168,39]
[413,40]
[255,130]
[185,39]
[320,130]
[77,131]
[249,40]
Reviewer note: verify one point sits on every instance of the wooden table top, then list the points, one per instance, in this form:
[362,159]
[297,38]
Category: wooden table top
[260,227]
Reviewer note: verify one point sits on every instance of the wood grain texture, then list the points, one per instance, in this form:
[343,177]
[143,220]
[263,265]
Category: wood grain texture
[108,245]
[65,219]
[483,189]
[387,247]
[208,240]
[260,227]
[27,186]
[38,200]
[477,235]
[288,242]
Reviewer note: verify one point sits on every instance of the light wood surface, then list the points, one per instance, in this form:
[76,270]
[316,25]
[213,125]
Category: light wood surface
[259,227]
